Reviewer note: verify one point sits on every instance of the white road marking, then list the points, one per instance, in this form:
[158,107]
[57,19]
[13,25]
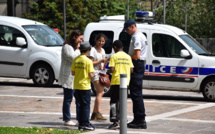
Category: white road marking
[104,99]
[21,96]
[190,120]
[103,131]
[180,111]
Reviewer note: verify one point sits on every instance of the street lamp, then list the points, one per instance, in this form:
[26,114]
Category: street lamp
[164,12]
[64,19]
[186,7]
[127,9]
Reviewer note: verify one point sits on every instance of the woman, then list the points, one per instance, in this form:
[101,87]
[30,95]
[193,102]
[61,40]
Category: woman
[97,55]
[70,50]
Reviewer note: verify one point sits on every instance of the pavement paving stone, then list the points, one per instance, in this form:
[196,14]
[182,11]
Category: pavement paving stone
[24,105]
[203,114]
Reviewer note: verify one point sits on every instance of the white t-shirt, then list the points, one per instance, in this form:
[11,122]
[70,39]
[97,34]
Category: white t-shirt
[138,41]
[97,56]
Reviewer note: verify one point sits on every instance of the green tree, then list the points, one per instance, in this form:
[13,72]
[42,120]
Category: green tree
[78,13]
[200,16]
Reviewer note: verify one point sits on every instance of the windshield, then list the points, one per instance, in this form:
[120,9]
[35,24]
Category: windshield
[43,35]
[194,45]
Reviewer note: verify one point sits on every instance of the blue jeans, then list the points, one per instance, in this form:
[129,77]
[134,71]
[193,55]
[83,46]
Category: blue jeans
[136,93]
[68,96]
[84,98]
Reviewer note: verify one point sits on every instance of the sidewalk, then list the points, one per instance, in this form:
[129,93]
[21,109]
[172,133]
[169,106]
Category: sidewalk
[168,112]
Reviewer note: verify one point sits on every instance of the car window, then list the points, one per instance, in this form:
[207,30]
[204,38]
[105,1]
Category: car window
[166,46]
[126,38]
[8,36]
[108,44]
[44,35]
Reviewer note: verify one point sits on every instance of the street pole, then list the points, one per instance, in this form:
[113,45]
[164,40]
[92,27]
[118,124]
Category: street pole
[164,12]
[13,7]
[64,19]
[152,5]
[123,103]
[127,9]
[186,18]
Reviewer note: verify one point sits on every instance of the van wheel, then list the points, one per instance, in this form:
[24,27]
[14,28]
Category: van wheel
[43,75]
[208,89]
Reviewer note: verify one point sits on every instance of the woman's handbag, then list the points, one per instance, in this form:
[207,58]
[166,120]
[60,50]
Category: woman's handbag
[104,79]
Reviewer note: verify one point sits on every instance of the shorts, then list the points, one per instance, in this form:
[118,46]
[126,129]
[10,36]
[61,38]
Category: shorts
[95,77]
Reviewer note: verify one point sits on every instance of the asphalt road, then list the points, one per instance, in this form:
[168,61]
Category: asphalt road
[24,105]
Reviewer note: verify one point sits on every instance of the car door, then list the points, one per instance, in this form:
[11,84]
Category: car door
[13,58]
[166,68]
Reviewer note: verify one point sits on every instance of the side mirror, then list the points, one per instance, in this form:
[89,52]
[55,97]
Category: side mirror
[185,54]
[20,41]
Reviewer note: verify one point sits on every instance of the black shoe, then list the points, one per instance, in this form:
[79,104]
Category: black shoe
[90,127]
[137,124]
[115,125]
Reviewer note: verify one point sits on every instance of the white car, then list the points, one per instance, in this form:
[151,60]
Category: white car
[29,49]
[175,61]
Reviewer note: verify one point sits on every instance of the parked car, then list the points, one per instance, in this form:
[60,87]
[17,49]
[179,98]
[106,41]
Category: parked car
[175,60]
[30,50]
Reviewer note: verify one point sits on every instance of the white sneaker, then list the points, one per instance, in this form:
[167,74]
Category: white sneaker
[69,123]
[77,124]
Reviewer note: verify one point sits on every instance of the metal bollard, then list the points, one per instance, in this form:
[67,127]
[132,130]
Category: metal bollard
[123,103]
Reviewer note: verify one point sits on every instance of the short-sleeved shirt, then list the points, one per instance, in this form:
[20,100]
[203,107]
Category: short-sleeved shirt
[138,42]
[82,66]
[96,55]
[122,64]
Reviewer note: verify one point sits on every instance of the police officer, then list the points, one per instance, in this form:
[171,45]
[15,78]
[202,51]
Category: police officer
[138,52]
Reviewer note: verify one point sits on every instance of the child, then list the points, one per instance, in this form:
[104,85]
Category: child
[82,69]
[120,63]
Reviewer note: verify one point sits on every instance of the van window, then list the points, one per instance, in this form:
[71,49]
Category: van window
[8,36]
[194,45]
[166,46]
[108,44]
[126,38]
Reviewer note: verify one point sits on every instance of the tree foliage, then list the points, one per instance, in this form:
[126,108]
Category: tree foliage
[78,13]
[200,13]
[200,16]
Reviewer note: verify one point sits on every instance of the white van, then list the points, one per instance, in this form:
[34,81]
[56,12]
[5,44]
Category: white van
[175,60]
[29,49]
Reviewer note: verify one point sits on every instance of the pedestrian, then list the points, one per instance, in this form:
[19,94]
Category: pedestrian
[97,55]
[82,69]
[138,53]
[120,63]
[70,50]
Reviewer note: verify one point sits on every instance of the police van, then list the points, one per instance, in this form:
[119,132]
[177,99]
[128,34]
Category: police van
[175,60]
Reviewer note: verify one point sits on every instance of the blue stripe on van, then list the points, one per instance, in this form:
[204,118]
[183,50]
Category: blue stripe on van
[206,71]
[179,70]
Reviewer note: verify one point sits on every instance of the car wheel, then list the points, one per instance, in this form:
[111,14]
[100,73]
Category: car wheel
[42,75]
[208,89]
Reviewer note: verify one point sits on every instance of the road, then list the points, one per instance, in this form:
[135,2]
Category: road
[24,105]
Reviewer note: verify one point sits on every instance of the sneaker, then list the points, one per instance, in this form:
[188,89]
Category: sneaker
[115,125]
[137,124]
[77,124]
[97,116]
[69,123]
[90,127]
